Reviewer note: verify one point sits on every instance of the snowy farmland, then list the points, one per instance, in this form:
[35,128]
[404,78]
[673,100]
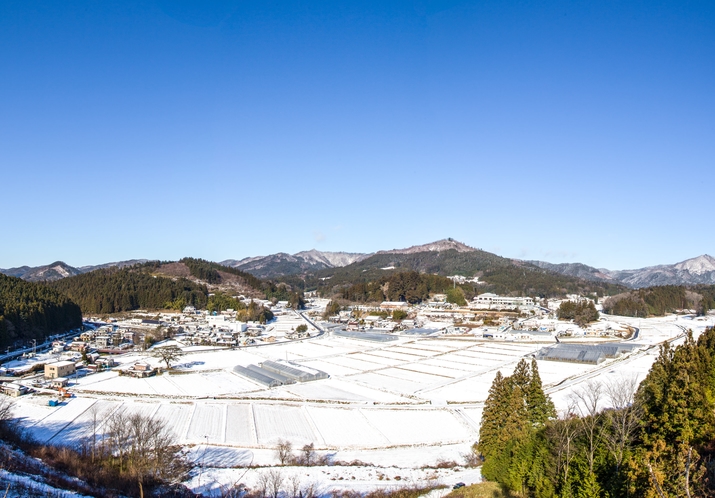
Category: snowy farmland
[422,396]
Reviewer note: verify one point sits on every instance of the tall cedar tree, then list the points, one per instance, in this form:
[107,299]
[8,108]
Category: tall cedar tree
[511,435]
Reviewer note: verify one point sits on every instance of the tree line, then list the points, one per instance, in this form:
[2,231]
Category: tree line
[113,290]
[33,311]
[662,299]
[656,439]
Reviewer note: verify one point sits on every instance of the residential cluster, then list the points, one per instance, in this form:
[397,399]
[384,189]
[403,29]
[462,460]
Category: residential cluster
[487,315]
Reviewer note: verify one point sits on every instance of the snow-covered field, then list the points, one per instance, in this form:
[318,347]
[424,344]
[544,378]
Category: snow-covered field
[405,403]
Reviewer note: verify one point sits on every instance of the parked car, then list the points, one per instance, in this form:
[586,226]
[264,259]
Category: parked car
[458,485]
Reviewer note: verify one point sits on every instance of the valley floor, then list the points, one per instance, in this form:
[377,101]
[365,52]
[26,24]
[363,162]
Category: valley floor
[399,406]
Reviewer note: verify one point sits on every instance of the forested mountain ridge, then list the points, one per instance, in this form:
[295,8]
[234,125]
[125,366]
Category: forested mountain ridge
[281,264]
[694,271]
[164,285]
[113,290]
[496,274]
[320,264]
[576,270]
[662,299]
[33,311]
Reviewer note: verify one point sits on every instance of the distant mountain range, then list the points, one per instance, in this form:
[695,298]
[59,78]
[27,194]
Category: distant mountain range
[699,270]
[445,256]
[59,270]
[281,264]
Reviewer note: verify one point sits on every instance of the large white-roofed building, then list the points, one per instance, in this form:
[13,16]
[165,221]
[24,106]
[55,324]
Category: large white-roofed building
[489,301]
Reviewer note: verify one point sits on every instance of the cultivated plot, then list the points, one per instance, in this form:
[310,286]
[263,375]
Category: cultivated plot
[275,422]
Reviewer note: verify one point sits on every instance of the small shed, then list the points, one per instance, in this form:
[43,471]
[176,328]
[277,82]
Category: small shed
[14,389]
[58,382]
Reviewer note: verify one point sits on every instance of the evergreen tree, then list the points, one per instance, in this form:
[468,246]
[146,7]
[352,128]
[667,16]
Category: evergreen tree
[539,405]
[490,427]
[678,417]
[589,487]
[512,436]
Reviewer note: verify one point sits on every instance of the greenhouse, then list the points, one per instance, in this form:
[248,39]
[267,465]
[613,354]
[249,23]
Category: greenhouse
[422,332]
[584,353]
[365,336]
[258,377]
[292,372]
[269,373]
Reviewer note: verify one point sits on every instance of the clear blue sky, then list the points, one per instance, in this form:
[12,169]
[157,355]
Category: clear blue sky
[562,131]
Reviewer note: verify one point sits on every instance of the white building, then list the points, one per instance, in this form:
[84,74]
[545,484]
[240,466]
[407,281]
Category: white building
[223,322]
[489,301]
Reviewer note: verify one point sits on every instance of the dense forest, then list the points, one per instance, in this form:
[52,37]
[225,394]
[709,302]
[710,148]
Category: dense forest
[113,290]
[409,286]
[660,300]
[654,440]
[33,311]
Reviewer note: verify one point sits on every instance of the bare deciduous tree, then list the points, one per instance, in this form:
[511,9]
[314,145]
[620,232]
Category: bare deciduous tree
[471,458]
[7,405]
[284,451]
[141,446]
[275,482]
[311,490]
[235,490]
[95,422]
[586,402]
[564,433]
[294,489]
[262,484]
[623,417]
[308,457]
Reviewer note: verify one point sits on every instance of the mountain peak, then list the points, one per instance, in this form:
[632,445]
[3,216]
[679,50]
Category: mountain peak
[330,259]
[699,265]
[53,271]
[437,246]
